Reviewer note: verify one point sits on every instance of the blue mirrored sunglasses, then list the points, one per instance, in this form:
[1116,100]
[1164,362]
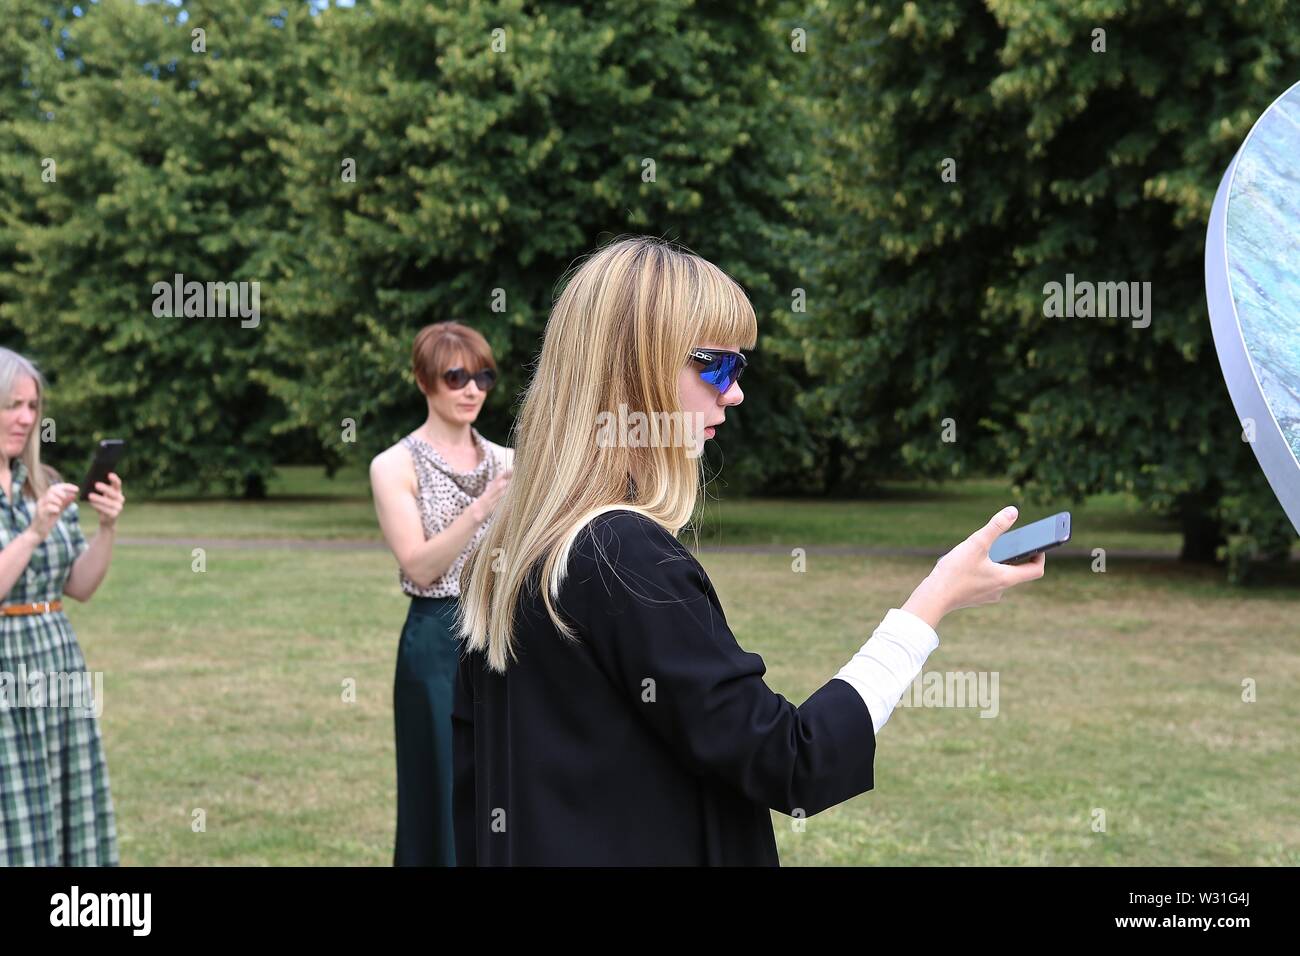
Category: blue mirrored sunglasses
[721,369]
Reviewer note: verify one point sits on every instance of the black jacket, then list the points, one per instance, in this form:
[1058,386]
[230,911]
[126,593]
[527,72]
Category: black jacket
[653,741]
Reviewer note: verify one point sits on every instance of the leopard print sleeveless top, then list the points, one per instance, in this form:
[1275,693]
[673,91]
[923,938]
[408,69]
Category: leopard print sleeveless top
[444,493]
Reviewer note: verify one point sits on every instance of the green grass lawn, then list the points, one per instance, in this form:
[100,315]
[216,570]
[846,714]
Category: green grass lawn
[305,504]
[1119,692]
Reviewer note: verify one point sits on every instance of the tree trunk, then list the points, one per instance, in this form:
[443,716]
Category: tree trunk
[1202,534]
[254,488]
[833,476]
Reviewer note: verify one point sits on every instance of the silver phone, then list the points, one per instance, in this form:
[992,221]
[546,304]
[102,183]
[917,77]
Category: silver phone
[1020,544]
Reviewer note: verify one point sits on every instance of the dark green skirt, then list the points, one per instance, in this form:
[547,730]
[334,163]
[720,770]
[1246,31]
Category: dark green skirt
[427,656]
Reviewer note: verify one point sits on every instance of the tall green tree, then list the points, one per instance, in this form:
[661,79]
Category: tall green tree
[459,157]
[26,22]
[975,153]
[156,123]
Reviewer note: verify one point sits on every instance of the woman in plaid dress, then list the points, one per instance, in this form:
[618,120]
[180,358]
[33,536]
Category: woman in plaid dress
[55,807]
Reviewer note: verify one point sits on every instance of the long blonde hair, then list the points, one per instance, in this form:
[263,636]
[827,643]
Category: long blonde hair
[13,367]
[619,333]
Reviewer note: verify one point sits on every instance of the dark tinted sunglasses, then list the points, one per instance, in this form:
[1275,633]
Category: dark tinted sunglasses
[458,378]
[721,368]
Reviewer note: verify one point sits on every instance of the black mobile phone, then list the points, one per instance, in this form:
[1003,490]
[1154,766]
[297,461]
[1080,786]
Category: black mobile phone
[106,457]
[1019,544]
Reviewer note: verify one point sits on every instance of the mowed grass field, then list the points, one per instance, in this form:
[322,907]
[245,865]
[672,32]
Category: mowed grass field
[1119,693]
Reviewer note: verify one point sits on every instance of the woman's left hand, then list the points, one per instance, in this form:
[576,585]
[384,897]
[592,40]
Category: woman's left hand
[107,499]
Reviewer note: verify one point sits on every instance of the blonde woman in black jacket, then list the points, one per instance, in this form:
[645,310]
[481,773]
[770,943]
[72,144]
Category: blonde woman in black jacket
[604,713]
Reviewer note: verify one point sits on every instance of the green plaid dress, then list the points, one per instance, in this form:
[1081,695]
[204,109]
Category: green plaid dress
[55,807]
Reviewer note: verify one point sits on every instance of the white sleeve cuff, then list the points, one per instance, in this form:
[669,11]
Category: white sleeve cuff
[889,661]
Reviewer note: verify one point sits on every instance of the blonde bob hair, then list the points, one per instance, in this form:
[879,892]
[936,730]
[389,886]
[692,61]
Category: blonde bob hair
[619,333]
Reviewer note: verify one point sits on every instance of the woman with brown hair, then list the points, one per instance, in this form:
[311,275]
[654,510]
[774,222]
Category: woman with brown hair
[435,492]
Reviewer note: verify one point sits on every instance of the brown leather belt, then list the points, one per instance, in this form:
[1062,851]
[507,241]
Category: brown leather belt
[40,607]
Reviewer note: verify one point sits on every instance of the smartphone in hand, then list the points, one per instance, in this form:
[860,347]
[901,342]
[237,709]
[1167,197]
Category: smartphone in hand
[1020,544]
[106,458]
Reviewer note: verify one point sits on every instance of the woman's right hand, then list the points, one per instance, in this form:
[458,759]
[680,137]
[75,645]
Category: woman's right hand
[965,577]
[49,507]
[486,503]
